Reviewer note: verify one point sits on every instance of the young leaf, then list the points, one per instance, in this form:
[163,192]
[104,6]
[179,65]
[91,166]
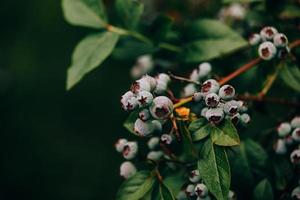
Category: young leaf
[130,12]
[165,192]
[291,76]
[211,39]
[215,170]
[225,135]
[136,187]
[88,13]
[202,132]
[89,54]
[263,191]
[196,124]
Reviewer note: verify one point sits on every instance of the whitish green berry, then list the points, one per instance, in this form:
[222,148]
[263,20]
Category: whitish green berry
[127,169]
[161,107]
[210,86]
[280,40]
[201,190]
[231,195]
[130,150]
[215,115]
[254,39]
[153,143]
[140,85]
[189,90]
[268,33]
[295,123]
[194,176]
[129,101]
[284,129]
[212,100]
[267,50]
[155,155]
[181,196]
[190,190]
[226,92]
[198,96]
[245,118]
[280,146]
[166,139]
[295,156]
[144,128]
[296,193]
[231,107]
[144,98]
[120,145]
[204,69]
[296,134]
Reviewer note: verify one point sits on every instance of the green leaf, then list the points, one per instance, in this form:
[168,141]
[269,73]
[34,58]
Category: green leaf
[263,191]
[225,135]
[290,12]
[249,162]
[284,172]
[202,133]
[88,13]
[196,124]
[175,180]
[136,187]
[129,123]
[130,12]
[215,170]
[89,54]
[165,192]
[211,39]
[189,152]
[291,76]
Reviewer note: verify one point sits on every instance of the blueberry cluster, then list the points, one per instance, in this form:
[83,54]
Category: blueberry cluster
[271,43]
[218,103]
[198,74]
[153,109]
[196,189]
[289,139]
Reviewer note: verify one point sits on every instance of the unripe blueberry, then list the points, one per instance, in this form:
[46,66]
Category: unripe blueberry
[212,100]
[164,77]
[194,76]
[136,72]
[144,115]
[295,123]
[296,193]
[144,98]
[127,169]
[231,195]
[161,107]
[296,134]
[204,69]
[130,104]
[203,111]
[280,146]
[280,40]
[201,190]
[143,128]
[153,143]
[242,106]
[268,33]
[284,129]
[254,39]
[194,176]
[157,125]
[245,118]
[181,196]
[166,139]
[130,150]
[161,87]
[267,50]
[234,118]
[140,85]
[145,62]
[288,140]
[198,96]
[210,86]
[152,81]
[120,144]
[189,90]
[154,155]
[295,157]
[227,92]
[215,115]
[190,190]
[231,107]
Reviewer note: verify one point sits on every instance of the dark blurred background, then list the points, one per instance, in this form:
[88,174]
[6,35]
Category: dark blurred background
[54,144]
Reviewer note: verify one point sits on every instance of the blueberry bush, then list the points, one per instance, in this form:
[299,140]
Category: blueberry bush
[213,109]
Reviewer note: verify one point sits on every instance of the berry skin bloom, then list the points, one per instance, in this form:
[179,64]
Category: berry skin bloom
[140,85]
[231,107]
[194,176]
[268,33]
[296,135]
[254,39]
[120,145]
[144,128]
[152,81]
[215,115]
[284,129]
[144,98]
[189,90]
[130,150]
[280,147]
[245,118]
[166,139]
[280,40]
[212,100]
[198,96]
[129,101]
[204,69]
[155,155]
[162,83]
[296,193]
[201,190]
[267,50]
[153,143]
[227,92]
[295,157]
[210,86]
[190,190]
[127,169]
[295,123]
[161,107]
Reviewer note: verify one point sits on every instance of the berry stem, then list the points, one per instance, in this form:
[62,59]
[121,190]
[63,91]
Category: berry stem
[268,100]
[295,44]
[183,79]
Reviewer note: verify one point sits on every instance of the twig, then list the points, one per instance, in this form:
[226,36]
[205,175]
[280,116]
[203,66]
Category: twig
[183,79]
[268,100]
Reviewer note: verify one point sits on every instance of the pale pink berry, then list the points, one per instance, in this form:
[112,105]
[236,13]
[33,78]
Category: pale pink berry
[254,39]
[210,86]
[127,169]
[295,157]
[280,147]
[296,135]
[231,107]
[144,98]
[268,33]
[144,128]
[267,50]
[215,115]
[280,40]
[119,145]
[284,129]
[130,150]
[194,176]
[201,190]
[190,190]
[212,100]
[295,123]
[161,107]
[166,139]
[226,92]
